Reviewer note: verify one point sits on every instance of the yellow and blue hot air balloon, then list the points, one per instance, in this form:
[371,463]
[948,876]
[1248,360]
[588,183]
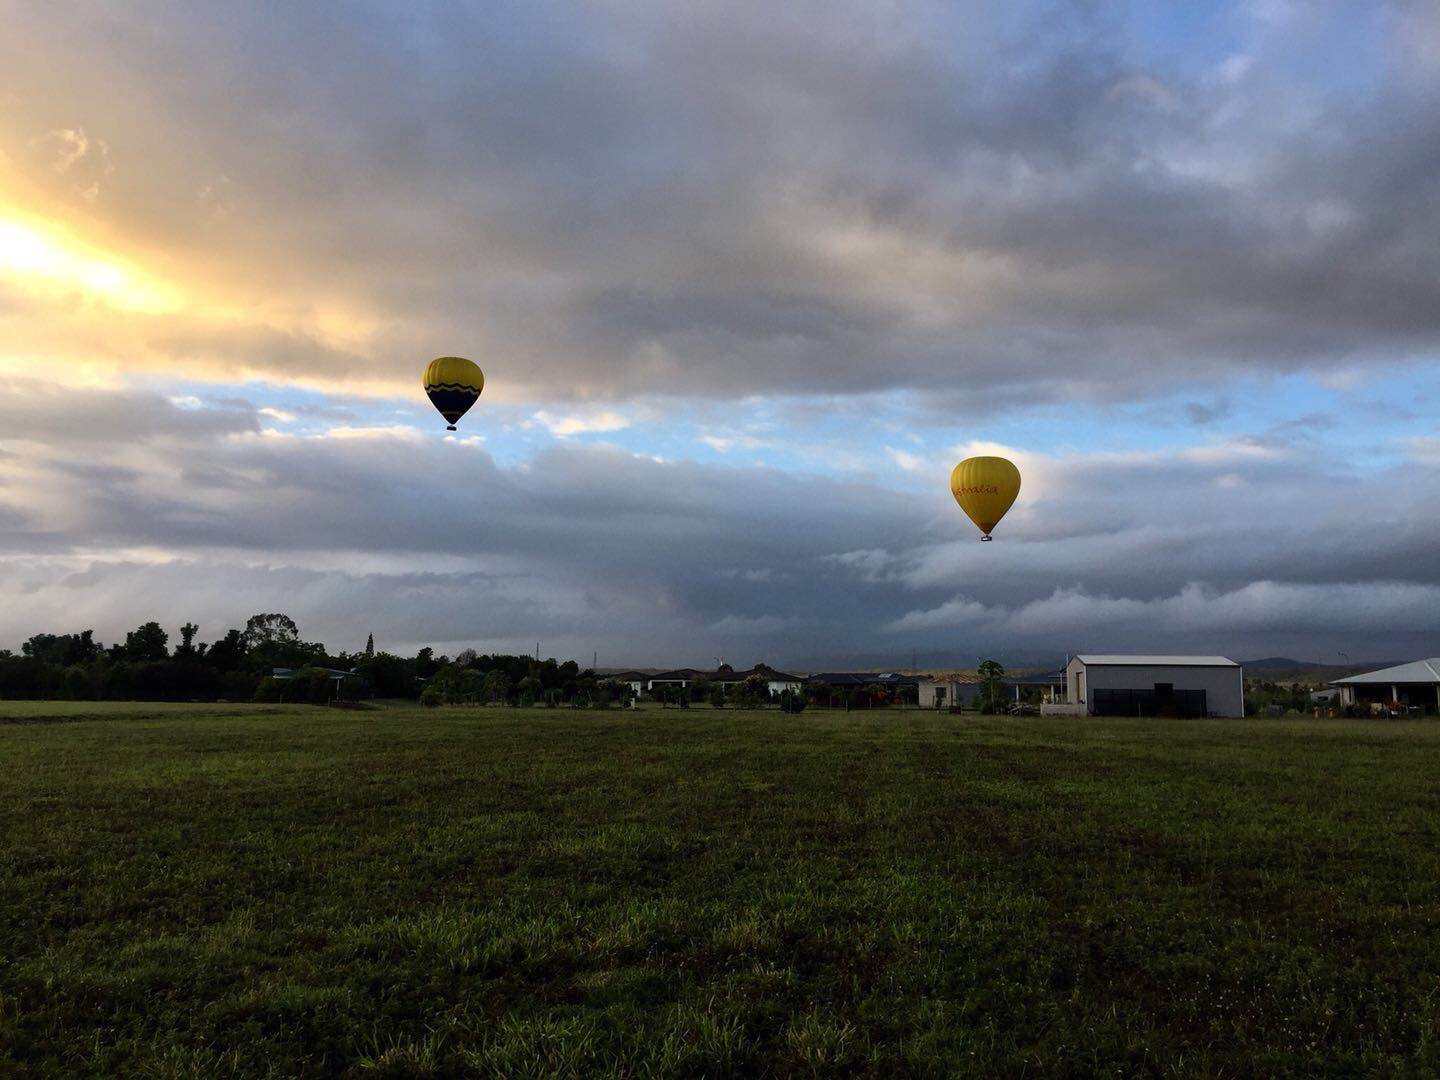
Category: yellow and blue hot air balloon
[453,385]
[985,487]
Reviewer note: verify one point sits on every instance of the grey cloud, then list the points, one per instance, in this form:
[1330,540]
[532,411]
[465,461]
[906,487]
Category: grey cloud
[1374,620]
[719,199]
[33,411]
[1207,412]
[591,547]
[584,545]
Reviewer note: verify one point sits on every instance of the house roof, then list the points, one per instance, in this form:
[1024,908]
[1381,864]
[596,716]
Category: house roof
[1417,671]
[962,678]
[685,673]
[765,671]
[1156,661]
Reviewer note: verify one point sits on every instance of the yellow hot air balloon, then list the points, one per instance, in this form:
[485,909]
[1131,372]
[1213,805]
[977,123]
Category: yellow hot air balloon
[453,385]
[985,487]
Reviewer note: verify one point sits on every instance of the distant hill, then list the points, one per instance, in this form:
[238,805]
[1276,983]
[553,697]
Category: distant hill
[1284,669]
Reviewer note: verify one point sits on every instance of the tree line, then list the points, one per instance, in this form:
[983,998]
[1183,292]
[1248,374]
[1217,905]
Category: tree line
[241,665]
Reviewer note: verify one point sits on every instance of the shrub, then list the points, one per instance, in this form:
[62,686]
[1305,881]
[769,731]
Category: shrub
[431,698]
[792,701]
[309,684]
[268,690]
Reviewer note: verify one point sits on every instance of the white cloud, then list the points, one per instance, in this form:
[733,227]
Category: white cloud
[581,423]
[909,462]
[401,432]
[1234,68]
[1424,449]
[732,439]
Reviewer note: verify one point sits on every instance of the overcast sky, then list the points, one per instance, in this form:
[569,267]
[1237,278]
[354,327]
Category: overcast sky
[746,280]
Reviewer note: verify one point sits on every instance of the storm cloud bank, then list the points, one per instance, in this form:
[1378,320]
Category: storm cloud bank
[591,547]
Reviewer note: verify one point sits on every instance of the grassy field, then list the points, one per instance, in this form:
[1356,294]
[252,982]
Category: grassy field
[282,891]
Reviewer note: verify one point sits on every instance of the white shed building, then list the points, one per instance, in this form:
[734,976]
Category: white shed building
[1155,686]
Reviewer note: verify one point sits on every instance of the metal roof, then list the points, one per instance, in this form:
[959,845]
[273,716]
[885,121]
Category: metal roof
[866,678]
[684,674]
[1036,678]
[290,672]
[1156,661]
[1417,671]
[765,671]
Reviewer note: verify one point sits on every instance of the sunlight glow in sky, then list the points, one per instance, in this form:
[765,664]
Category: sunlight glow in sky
[41,259]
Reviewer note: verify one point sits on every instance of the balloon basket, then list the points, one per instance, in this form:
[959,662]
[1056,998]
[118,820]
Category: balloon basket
[985,539]
[449,427]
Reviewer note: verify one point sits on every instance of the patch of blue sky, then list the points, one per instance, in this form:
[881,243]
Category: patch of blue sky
[1195,36]
[1351,418]
[1356,419]
[1340,47]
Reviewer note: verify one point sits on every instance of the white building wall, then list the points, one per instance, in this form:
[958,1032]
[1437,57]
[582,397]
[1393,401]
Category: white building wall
[1224,686]
[956,693]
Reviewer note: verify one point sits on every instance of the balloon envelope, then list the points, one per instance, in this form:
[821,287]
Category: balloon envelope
[985,487]
[453,384]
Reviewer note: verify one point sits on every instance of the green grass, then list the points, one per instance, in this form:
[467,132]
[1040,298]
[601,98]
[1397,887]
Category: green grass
[207,891]
[27,712]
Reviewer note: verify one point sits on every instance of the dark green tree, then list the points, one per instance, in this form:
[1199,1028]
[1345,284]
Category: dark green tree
[991,698]
[228,653]
[186,647]
[62,650]
[146,644]
[270,629]
[273,640]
